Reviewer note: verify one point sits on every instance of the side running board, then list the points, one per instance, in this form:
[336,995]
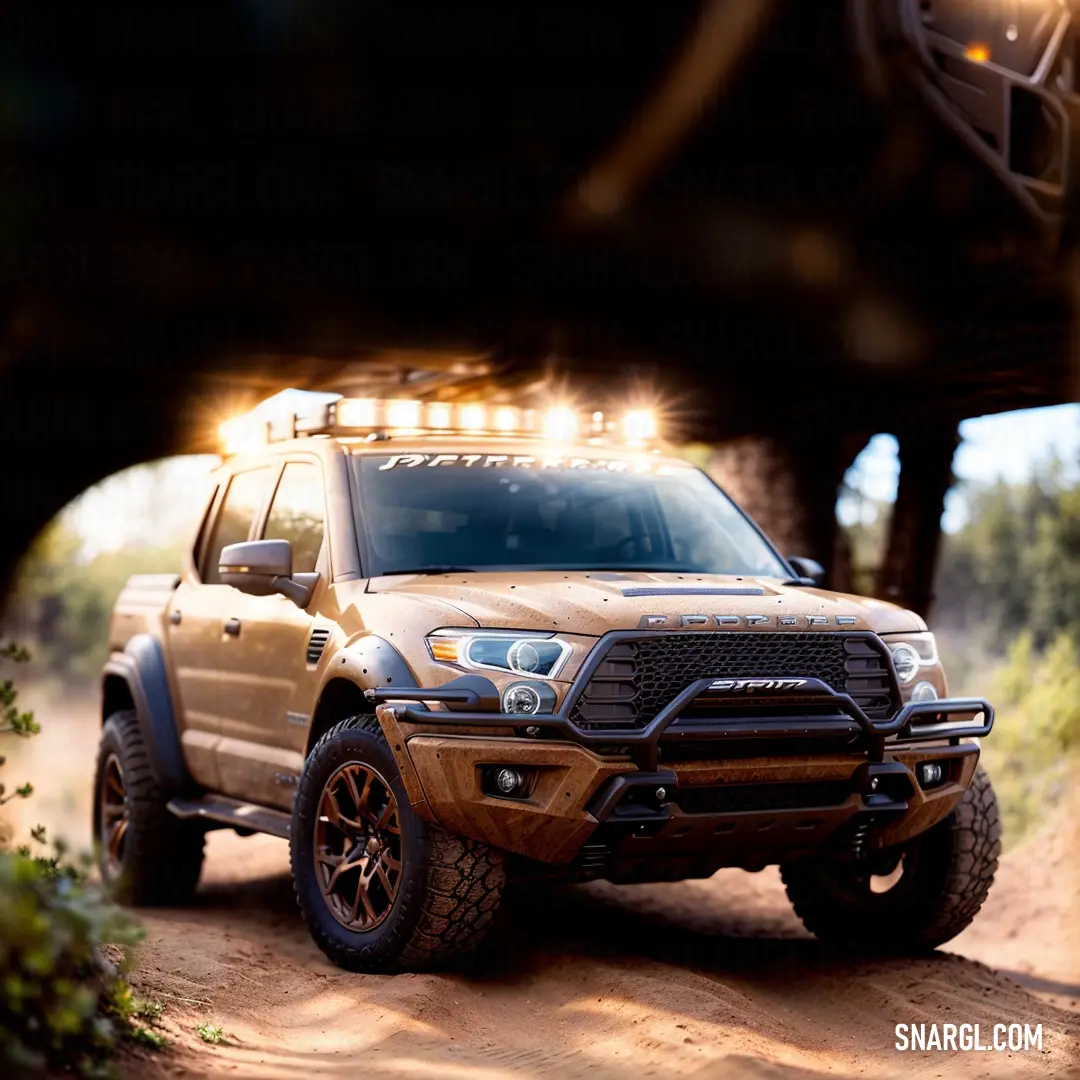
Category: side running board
[240,815]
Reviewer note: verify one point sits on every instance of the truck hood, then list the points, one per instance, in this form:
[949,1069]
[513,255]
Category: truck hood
[594,602]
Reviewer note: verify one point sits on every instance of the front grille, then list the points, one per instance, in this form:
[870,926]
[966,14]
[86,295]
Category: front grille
[638,677]
[741,798]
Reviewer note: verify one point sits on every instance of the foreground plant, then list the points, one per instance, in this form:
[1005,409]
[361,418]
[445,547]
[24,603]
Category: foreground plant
[63,1005]
[57,991]
[212,1033]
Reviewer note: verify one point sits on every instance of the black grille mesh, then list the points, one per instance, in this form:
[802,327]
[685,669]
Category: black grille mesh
[637,678]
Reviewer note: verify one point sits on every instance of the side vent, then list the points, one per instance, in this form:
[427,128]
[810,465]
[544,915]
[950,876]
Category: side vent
[316,644]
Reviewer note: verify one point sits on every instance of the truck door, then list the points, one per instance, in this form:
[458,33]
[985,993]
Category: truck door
[267,684]
[196,622]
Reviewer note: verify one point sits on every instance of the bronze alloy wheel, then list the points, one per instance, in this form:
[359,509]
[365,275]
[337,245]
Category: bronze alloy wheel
[358,846]
[114,816]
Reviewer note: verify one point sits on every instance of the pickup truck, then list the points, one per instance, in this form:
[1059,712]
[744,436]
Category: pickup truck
[437,647]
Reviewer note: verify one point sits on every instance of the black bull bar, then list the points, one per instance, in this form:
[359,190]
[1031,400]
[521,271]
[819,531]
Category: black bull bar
[919,721]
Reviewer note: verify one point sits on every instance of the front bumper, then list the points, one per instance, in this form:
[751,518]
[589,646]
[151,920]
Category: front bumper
[593,803]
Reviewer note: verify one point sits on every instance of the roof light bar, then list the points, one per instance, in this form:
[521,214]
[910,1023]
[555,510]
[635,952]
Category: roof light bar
[561,424]
[472,417]
[402,416]
[639,425]
[243,434]
[356,412]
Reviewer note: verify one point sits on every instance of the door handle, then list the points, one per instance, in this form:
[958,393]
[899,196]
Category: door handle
[175,617]
[232,627]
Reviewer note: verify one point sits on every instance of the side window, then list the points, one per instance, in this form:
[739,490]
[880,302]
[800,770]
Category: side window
[297,514]
[244,499]
[204,526]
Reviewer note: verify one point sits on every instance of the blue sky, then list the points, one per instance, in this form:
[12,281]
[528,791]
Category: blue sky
[1006,445]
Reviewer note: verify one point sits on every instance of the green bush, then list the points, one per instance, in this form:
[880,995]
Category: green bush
[63,1005]
[1033,750]
[56,987]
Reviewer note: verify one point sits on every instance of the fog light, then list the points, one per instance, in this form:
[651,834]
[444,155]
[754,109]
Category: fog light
[521,698]
[924,691]
[930,773]
[509,781]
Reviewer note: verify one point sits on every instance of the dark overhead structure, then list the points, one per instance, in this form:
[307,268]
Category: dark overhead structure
[795,224]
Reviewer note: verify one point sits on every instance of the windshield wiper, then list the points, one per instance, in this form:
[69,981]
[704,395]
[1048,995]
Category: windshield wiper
[432,569]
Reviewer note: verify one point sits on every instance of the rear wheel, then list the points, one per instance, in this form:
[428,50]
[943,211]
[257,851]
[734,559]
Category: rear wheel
[145,854]
[912,898]
[381,889]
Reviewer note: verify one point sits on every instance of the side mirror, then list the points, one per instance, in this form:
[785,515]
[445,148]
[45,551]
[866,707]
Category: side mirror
[264,567]
[810,572]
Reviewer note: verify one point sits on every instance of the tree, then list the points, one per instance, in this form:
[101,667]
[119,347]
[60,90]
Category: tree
[1015,564]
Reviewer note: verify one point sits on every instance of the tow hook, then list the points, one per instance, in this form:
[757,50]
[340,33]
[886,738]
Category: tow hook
[885,787]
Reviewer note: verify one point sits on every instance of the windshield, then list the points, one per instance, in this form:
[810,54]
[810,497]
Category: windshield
[494,512]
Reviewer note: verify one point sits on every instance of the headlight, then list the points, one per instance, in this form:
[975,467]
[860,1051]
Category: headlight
[906,661]
[910,652]
[538,655]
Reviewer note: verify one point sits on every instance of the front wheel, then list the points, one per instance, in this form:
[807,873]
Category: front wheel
[910,899]
[381,889]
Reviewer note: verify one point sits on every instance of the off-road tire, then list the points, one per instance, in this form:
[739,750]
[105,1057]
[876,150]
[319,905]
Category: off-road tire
[954,866]
[162,856]
[450,886]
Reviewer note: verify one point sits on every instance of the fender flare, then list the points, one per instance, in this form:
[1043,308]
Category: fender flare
[368,662]
[142,667]
[378,662]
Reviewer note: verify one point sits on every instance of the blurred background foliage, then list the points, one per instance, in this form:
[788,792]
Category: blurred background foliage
[1015,566]
[63,600]
[138,521]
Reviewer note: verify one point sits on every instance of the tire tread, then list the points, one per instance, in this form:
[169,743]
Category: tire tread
[163,855]
[973,836]
[461,889]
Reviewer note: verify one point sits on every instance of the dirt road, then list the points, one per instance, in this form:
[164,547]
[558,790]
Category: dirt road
[697,979]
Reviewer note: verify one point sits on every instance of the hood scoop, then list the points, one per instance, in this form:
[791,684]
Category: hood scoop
[694,590]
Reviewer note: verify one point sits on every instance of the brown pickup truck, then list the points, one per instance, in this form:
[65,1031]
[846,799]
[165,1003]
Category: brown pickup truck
[437,649]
